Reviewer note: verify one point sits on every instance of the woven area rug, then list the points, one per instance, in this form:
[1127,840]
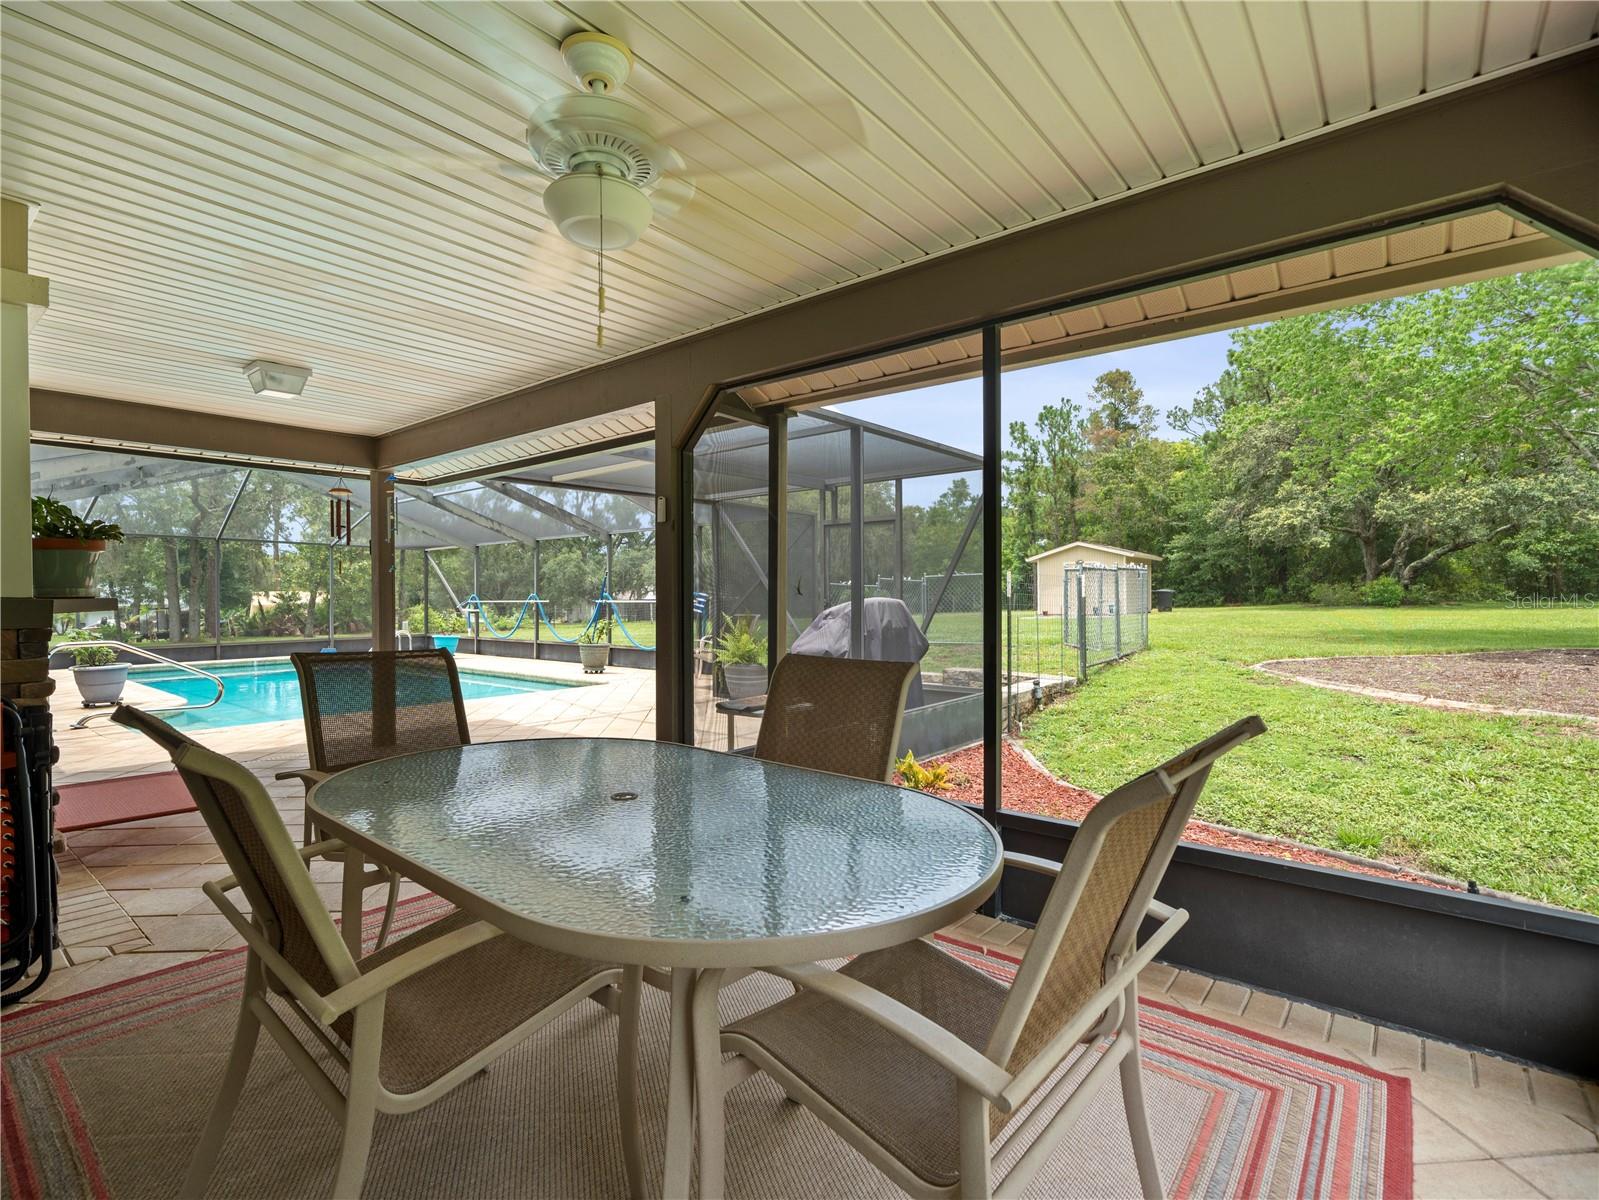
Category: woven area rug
[113,801]
[105,1094]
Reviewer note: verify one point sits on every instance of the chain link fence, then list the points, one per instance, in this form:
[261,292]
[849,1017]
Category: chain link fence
[1106,613]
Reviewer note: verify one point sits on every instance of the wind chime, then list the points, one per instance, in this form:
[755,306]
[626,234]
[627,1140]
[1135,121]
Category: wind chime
[340,513]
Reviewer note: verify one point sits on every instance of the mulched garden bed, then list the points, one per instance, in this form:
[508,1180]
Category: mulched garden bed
[1029,788]
[1553,681]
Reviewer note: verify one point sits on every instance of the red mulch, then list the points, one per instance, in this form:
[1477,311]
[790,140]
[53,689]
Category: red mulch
[1029,789]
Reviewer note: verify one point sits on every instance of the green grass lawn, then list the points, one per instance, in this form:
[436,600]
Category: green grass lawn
[1512,803]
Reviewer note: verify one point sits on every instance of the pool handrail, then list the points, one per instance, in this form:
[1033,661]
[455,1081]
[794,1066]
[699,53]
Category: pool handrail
[153,656]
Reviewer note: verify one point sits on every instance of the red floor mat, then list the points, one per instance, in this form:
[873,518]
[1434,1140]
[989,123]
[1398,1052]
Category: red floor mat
[113,801]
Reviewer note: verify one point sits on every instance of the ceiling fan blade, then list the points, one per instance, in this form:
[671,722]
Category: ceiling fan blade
[671,196]
[556,264]
[791,131]
[462,166]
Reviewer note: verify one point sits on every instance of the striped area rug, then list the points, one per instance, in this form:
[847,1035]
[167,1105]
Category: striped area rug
[1280,1120]
[105,1093]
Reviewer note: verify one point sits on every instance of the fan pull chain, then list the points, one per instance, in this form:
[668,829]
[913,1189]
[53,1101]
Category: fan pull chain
[599,317]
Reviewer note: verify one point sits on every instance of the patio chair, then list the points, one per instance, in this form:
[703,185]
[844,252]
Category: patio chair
[362,707]
[920,1061]
[835,714]
[408,1023]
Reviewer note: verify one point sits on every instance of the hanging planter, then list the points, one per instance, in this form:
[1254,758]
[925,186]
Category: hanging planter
[66,548]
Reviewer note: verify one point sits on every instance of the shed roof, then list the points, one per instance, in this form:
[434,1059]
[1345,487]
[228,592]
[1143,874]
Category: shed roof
[1122,550]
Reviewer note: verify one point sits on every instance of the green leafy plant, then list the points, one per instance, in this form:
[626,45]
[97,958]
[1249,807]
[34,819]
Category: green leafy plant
[912,774]
[598,633]
[94,656]
[740,642]
[1383,592]
[52,519]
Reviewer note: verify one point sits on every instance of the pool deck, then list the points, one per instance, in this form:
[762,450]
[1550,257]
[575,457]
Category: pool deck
[130,893]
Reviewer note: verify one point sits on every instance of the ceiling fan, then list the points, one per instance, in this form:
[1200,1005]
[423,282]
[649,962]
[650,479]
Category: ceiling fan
[611,173]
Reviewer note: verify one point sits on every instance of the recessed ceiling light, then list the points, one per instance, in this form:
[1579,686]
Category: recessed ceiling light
[276,381]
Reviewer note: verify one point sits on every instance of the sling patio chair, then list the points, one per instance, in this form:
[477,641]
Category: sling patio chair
[835,714]
[920,1061]
[362,707]
[408,1023]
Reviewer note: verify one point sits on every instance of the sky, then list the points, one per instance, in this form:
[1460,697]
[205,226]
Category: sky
[1169,372]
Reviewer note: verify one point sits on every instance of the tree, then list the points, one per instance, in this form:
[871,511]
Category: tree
[1417,427]
[1119,415]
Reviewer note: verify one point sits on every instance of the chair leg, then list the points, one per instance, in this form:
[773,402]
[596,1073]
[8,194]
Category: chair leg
[976,1167]
[1133,1101]
[388,909]
[245,1034]
[627,1064]
[709,1084]
[360,1101]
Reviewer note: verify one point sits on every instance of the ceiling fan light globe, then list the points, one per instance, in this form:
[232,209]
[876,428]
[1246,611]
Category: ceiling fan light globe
[574,204]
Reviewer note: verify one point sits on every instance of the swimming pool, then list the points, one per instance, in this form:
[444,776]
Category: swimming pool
[267,690]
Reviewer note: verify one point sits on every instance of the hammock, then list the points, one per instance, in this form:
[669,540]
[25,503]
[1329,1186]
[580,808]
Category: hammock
[474,602]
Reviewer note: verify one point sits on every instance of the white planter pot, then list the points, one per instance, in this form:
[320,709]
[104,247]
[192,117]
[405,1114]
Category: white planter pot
[744,679]
[595,658]
[100,685]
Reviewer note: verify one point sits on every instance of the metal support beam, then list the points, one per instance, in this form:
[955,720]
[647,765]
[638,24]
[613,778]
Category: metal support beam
[537,503]
[994,684]
[857,542]
[978,508]
[216,562]
[777,538]
[380,535]
[464,513]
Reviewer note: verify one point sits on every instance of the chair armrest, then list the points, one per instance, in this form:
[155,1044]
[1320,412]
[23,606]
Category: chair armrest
[971,1066]
[306,776]
[1026,862]
[384,976]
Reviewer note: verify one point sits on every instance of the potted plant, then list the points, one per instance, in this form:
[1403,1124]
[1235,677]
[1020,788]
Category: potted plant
[741,654]
[65,548]
[594,646]
[98,674]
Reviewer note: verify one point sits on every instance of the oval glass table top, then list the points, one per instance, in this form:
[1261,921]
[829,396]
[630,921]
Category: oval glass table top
[669,846]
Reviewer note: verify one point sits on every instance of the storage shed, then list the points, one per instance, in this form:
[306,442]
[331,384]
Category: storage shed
[1049,568]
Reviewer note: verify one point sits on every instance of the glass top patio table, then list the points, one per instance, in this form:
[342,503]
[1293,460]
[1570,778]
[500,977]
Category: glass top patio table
[653,853]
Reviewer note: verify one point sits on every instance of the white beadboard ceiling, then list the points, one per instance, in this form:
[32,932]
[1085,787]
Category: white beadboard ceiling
[192,219]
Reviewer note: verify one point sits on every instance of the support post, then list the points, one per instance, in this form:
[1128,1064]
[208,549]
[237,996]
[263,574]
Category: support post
[1116,599]
[777,539]
[857,542]
[993,693]
[477,613]
[331,640]
[23,293]
[427,606]
[899,539]
[674,553]
[1082,625]
[380,534]
[537,620]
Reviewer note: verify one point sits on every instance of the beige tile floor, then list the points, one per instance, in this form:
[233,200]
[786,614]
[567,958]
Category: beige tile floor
[131,903]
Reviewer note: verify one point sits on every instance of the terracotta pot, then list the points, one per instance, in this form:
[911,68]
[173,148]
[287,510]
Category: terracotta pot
[65,566]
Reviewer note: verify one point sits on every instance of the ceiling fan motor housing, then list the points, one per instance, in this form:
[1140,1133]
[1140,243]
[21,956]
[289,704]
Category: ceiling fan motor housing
[598,210]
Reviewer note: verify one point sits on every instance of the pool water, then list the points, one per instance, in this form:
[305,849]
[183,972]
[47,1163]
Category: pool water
[257,692]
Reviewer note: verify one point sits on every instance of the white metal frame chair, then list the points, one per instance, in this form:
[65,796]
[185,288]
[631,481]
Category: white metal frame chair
[457,994]
[919,1061]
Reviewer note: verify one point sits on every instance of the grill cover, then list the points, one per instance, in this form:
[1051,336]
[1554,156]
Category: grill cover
[888,634]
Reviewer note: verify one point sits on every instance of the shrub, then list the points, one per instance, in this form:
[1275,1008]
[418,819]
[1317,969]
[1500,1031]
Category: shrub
[1383,592]
[94,656]
[924,779]
[1335,595]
